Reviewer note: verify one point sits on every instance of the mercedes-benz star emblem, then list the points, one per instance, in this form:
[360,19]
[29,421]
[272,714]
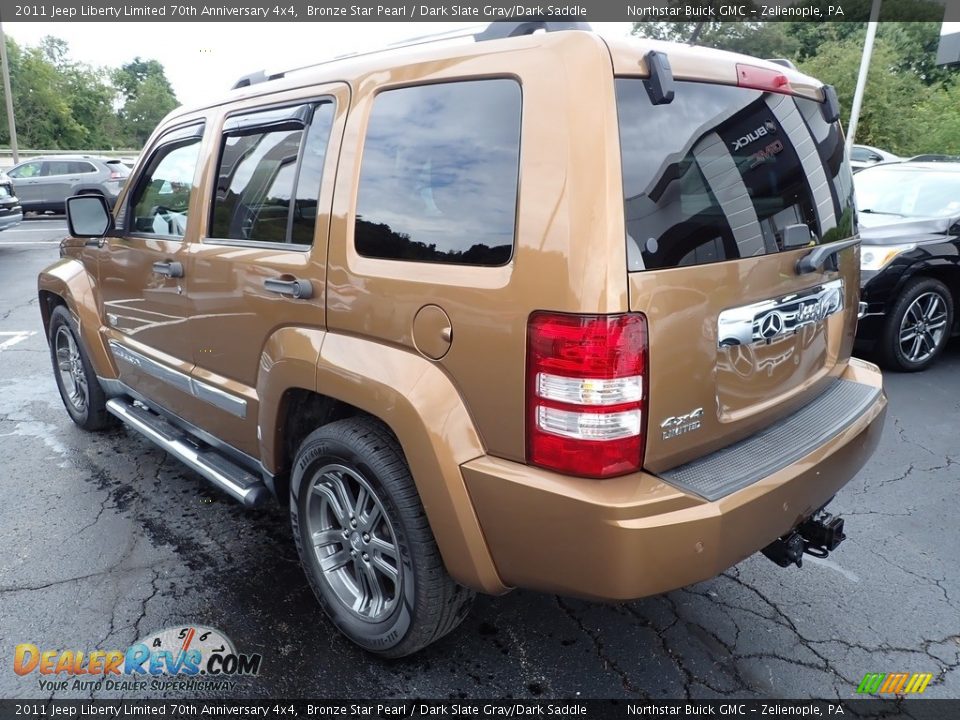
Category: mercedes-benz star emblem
[771,325]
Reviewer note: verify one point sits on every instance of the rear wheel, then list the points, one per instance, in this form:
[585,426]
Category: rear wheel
[918,327]
[79,387]
[365,543]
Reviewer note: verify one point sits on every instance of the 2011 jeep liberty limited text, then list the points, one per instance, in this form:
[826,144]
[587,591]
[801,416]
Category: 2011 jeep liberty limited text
[539,310]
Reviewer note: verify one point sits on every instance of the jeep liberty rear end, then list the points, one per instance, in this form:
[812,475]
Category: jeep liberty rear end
[750,413]
[584,331]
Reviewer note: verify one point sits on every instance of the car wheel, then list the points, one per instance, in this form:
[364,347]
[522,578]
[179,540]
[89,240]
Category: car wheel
[365,543]
[79,388]
[918,326]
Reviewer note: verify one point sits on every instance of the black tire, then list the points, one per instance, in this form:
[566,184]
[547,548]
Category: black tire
[91,413]
[897,353]
[427,603]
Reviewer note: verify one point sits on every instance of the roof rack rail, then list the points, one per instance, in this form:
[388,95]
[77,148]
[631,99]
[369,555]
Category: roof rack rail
[493,31]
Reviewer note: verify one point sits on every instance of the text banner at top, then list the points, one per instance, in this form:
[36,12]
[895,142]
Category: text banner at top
[479,11]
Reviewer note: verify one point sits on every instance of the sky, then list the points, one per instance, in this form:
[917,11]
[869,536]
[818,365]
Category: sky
[204,59]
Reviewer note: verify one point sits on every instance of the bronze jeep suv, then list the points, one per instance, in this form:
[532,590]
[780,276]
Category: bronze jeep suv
[538,310]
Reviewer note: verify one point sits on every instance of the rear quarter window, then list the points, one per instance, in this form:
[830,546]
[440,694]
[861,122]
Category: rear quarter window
[439,174]
[722,172]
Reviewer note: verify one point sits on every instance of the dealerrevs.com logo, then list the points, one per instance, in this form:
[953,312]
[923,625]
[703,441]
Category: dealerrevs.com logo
[177,658]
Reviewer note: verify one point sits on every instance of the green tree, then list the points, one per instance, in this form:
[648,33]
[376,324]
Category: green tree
[152,101]
[37,96]
[147,97]
[891,97]
[936,128]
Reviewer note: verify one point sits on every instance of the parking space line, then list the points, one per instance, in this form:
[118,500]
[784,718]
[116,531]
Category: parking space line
[16,337]
[16,243]
[43,229]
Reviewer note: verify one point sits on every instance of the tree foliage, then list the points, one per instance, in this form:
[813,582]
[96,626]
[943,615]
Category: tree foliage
[910,105]
[61,104]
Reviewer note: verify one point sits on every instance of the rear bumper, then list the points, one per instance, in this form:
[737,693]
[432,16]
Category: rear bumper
[637,535]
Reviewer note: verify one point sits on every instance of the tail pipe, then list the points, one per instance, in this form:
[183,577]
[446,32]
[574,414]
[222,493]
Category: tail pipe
[818,535]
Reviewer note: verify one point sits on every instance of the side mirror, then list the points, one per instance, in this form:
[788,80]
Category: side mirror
[88,216]
[796,236]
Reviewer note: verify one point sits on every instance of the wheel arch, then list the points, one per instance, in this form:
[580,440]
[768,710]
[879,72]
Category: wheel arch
[68,283]
[330,376]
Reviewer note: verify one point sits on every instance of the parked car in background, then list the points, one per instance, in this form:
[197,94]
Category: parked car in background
[44,183]
[910,261]
[935,158]
[863,156]
[10,211]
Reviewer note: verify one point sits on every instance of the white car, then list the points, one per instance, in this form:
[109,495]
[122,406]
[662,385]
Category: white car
[863,156]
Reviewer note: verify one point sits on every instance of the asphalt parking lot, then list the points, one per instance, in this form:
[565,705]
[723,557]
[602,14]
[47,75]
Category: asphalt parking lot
[107,539]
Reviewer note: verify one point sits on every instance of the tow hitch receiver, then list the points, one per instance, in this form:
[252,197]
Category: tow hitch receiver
[818,535]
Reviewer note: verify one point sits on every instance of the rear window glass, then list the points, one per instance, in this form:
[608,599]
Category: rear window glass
[438,181]
[724,172]
[117,167]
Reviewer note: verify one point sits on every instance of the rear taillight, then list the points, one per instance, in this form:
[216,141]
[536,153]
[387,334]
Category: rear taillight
[586,393]
[760,78]
[116,176]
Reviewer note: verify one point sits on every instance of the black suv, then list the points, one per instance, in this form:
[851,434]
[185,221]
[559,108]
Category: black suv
[910,260]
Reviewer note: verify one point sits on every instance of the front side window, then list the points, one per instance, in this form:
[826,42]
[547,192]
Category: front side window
[439,175]
[269,174]
[27,170]
[161,200]
[725,172]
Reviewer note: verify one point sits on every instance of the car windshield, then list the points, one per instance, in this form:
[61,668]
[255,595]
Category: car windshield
[908,192]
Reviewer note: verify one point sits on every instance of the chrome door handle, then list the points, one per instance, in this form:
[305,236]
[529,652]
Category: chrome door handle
[298,289]
[168,268]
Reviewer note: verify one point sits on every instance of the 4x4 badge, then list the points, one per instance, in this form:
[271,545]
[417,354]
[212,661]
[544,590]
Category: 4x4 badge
[682,424]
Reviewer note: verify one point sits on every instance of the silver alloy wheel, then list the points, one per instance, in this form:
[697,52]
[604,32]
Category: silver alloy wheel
[70,366]
[923,326]
[354,542]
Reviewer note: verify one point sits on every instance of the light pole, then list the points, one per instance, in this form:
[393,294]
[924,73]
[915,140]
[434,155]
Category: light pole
[862,77]
[9,96]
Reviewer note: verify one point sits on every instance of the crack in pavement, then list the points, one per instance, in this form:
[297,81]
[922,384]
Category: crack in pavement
[609,663]
[115,570]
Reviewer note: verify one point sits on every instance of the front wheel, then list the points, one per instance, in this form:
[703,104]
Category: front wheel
[918,326]
[77,382]
[365,543]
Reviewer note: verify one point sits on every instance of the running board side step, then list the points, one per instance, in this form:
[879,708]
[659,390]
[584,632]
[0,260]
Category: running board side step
[222,472]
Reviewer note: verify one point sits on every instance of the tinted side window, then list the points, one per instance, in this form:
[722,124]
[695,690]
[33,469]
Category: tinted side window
[56,167]
[27,170]
[438,180]
[78,167]
[269,174]
[721,173]
[161,200]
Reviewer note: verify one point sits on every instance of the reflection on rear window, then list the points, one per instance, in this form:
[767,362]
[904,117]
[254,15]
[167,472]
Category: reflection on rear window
[117,167]
[721,173]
